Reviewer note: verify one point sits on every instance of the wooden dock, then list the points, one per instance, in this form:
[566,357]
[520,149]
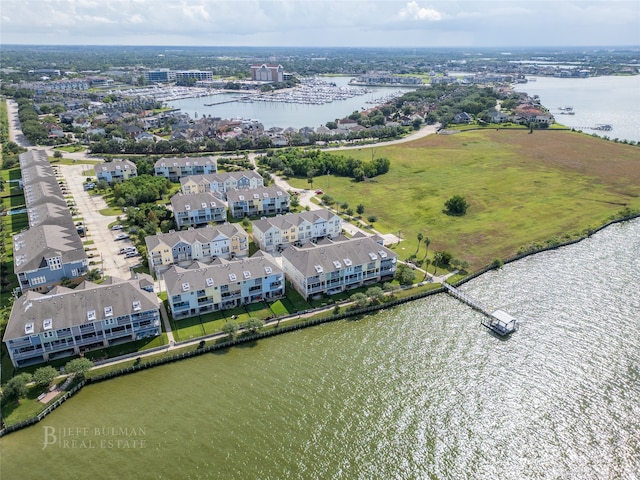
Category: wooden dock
[498,321]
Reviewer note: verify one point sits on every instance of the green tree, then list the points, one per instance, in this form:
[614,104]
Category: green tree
[344,206]
[230,329]
[16,388]
[372,219]
[456,205]
[437,260]
[360,209]
[57,154]
[93,275]
[45,375]
[360,299]
[78,366]
[253,325]
[392,288]
[427,242]
[420,237]
[405,274]
[375,293]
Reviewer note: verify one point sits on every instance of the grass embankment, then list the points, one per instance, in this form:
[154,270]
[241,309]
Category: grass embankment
[522,188]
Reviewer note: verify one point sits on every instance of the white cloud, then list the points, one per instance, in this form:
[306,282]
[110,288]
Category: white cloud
[413,11]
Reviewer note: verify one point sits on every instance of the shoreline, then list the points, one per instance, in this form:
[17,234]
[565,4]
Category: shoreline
[220,343]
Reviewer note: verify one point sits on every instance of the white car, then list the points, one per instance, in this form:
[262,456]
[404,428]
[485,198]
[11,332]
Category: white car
[122,236]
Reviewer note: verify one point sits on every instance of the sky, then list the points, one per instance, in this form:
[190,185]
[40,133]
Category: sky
[328,23]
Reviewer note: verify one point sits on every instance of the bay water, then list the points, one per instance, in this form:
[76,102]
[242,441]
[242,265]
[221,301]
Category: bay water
[422,391]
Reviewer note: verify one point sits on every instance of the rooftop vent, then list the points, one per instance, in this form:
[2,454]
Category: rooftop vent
[268,270]
[209,282]
[47,324]
[232,277]
[347,262]
[186,287]
[373,256]
[136,305]
[318,268]
[246,274]
[28,328]
[91,315]
[337,264]
[108,311]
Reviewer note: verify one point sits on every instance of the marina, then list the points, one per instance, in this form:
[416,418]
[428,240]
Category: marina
[497,321]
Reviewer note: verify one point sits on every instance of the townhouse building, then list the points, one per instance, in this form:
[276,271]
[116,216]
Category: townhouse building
[334,267]
[116,171]
[258,202]
[51,249]
[204,244]
[222,182]
[176,168]
[66,322]
[197,209]
[277,233]
[226,284]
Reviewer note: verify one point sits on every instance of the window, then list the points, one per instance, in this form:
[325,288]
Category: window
[55,263]
[38,280]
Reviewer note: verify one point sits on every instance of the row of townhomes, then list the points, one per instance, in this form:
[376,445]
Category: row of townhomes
[51,249]
[277,233]
[204,245]
[116,171]
[67,321]
[333,266]
[225,284]
[176,168]
[221,182]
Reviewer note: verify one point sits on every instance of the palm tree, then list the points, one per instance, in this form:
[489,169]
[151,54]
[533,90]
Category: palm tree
[437,258]
[427,242]
[420,237]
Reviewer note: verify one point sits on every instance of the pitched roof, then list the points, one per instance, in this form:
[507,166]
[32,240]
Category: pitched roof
[66,307]
[262,192]
[283,222]
[335,255]
[223,272]
[32,247]
[195,201]
[185,161]
[202,235]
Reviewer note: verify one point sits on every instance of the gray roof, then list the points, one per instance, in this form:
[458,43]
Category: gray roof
[202,235]
[283,222]
[36,172]
[180,201]
[262,192]
[184,161]
[196,276]
[219,177]
[358,251]
[45,190]
[51,214]
[30,248]
[67,307]
[113,166]
[33,157]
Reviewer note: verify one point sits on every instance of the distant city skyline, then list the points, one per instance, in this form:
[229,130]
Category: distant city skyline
[322,23]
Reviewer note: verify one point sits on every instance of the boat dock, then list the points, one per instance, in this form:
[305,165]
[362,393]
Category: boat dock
[498,321]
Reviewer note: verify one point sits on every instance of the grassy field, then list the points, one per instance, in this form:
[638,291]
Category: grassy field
[522,189]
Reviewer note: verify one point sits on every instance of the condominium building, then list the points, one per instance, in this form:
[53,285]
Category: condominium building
[204,244]
[222,182]
[117,170]
[337,266]
[267,73]
[176,168]
[226,284]
[197,209]
[277,233]
[258,202]
[68,322]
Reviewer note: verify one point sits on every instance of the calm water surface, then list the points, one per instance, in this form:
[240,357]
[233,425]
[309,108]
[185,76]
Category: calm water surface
[418,392]
[612,100]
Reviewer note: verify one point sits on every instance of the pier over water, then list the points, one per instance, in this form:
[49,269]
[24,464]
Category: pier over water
[498,321]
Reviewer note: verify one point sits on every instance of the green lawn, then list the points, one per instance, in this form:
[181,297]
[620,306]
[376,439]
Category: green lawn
[521,187]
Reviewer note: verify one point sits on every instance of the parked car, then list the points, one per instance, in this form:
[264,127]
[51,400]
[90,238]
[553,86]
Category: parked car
[117,227]
[122,236]
[127,250]
[319,192]
[131,254]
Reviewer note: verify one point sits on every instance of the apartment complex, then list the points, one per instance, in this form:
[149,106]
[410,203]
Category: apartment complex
[277,233]
[176,168]
[267,73]
[226,284]
[333,267]
[258,202]
[51,249]
[204,244]
[197,209]
[67,322]
[222,182]
[117,170]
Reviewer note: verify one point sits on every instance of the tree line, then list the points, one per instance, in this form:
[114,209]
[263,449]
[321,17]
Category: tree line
[309,163]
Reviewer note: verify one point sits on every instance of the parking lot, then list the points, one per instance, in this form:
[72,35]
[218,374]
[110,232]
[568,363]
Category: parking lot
[105,250]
